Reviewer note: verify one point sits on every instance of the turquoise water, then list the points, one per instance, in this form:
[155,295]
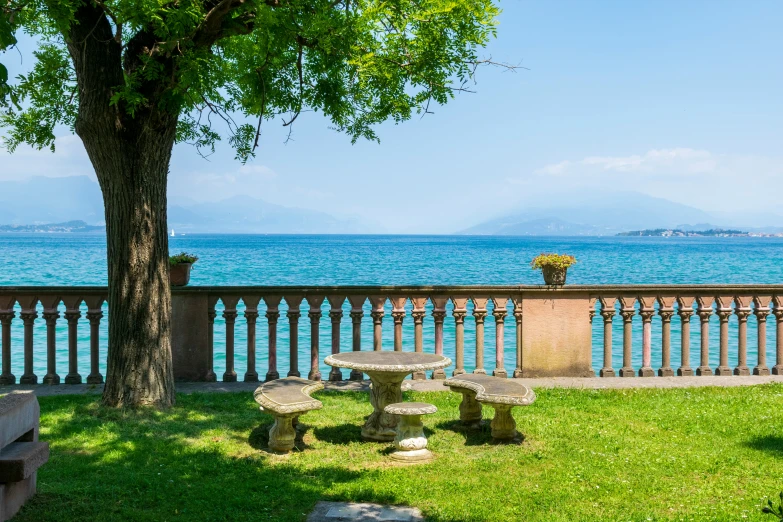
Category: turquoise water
[43,259]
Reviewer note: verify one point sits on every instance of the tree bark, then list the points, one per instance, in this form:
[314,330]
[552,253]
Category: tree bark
[131,157]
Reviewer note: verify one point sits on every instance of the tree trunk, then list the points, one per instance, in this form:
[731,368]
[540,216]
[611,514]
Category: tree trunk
[130,154]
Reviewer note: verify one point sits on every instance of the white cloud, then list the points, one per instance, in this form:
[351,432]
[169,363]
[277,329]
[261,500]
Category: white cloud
[69,159]
[679,160]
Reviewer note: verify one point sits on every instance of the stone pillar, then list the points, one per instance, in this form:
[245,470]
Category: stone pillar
[724,312]
[72,315]
[556,334]
[230,317]
[628,310]
[499,312]
[50,315]
[94,316]
[705,311]
[336,316]
[7,315]
[418,313]
[28,315]
[607,312]
[251,316]
[357,312]
[377,313]
[438,315]
[742,309]
[646,311]
[666,311]
[192,323]
[685,311]
[518,318]
[211,314]
[293,315]
[459,312]
[272,316]
[314,314]
[761,311]
[479,314]
[778,311]
[398,316]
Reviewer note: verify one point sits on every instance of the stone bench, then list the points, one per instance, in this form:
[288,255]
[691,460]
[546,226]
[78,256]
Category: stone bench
[286,399]
[499,393]
[21,454]
[409,441]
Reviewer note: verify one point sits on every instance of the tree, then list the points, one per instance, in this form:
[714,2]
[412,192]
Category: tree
[133,77]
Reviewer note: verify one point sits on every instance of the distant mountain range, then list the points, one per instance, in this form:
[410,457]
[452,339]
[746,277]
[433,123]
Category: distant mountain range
[55,201]
[77,226]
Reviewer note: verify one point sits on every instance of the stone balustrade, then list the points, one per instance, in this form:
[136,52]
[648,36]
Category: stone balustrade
[554,331]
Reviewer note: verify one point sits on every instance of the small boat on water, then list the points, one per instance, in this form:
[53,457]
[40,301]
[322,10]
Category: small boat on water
[172,233]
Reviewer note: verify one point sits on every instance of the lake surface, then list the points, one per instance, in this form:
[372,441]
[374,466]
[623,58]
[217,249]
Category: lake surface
[73,259]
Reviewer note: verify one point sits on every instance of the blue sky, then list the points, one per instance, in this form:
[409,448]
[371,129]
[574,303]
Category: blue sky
[673,99]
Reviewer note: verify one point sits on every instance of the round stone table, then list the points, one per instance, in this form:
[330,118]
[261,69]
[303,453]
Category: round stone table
[386,370]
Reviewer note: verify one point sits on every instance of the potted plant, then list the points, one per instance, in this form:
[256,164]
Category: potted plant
[179,268]
[553,266]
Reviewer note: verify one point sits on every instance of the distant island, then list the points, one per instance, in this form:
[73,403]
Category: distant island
[56,228]
[676,232]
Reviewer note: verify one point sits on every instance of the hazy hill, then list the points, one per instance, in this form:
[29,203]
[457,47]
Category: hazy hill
[41,200]
[598,213]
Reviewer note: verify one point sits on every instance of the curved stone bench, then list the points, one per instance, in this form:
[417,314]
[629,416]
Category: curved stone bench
[501,394]
[286,399]
[410,442]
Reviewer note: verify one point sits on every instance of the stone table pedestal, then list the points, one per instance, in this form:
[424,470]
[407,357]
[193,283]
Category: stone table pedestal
[409,441]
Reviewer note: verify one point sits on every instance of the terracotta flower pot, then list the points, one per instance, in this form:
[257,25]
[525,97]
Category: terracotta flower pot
[554,276]
[179,274]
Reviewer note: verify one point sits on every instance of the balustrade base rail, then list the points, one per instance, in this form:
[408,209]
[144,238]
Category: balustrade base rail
[553,329]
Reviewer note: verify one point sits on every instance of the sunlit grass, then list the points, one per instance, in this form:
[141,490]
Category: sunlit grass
[676,454]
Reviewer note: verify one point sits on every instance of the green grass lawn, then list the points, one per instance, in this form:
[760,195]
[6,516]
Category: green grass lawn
[682,454]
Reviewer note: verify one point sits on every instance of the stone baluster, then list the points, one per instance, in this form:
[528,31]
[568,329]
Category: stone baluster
[211,314]
[666,312]
[724,312]
[607,312]
[398,315]
[314,313]
[293,315]
[7,315]
[230,317]
[704,310]
[459,312]
[743,311]
[251,316]
[685,311]
[377,313]
[272,316]
[646,311]
[72,315]
[28,315]
[336,316]
[418,313]
[499,313]
[480,314]
[518,318]
[778,311]
[438,315]
[627,311]
[761,311]
[357,312]
[94,316]
[50,315]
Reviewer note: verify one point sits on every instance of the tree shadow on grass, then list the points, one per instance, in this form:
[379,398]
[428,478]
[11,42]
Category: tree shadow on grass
[183,464]
[340,434]
[769,443]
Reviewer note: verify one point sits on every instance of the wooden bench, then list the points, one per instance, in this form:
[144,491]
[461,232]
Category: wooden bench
[499,393]
[286,399]
[21,454]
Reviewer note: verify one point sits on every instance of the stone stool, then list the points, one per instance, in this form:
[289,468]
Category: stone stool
[410,442]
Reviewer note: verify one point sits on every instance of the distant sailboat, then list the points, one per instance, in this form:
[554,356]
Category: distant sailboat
[172,232]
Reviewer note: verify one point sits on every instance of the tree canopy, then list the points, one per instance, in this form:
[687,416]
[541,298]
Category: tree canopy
[240,62]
